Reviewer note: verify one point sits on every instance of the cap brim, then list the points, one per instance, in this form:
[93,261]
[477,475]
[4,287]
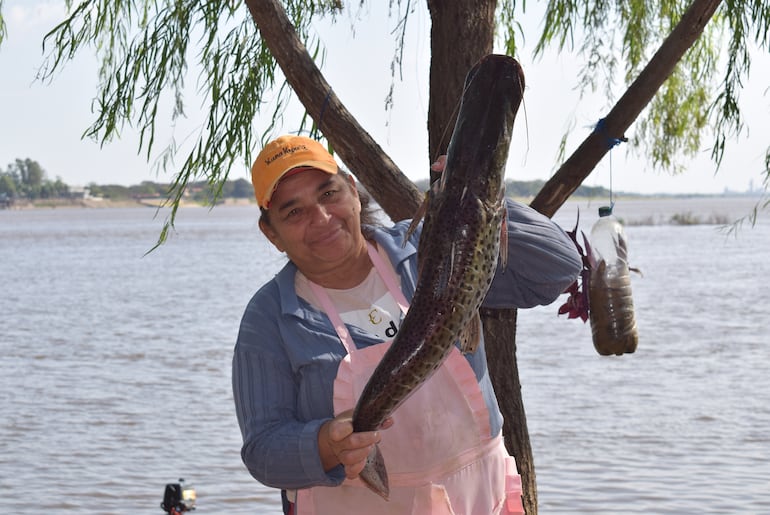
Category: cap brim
[329,168]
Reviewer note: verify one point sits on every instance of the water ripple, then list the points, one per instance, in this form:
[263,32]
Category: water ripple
[115,372]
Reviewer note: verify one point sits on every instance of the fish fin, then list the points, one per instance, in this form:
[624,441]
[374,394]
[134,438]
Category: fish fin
[504,243]
[503,229]
[374,475]
[471,335]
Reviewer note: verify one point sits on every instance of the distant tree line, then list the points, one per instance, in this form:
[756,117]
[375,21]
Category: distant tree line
[26,179]
[201,191]
[528,189]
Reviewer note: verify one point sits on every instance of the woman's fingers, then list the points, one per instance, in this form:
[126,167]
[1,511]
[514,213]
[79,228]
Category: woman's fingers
[439,164]
[345,447]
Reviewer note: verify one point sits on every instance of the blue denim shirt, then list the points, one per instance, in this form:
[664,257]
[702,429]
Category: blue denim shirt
[287,352]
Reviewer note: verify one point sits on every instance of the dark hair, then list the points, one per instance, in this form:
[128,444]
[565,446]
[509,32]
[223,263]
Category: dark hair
[368,217]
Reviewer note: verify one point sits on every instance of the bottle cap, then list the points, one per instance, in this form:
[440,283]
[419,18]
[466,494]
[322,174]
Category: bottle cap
[605,211]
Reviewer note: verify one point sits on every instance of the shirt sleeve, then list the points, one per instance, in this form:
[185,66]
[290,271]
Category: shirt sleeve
[279,449]
[542,261]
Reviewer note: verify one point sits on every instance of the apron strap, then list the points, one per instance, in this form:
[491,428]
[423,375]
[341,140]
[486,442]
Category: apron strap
[388,277]
[334,316]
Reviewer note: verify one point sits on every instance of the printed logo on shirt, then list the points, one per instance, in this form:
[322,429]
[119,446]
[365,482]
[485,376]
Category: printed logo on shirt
[392,330]
[375,317]
[378,319]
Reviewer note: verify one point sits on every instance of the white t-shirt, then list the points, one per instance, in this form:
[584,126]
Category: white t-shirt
[369,305]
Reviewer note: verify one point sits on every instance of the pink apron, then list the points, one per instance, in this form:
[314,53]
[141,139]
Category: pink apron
[438,453]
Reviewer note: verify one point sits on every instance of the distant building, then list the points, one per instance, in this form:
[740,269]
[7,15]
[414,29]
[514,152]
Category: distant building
[82,193]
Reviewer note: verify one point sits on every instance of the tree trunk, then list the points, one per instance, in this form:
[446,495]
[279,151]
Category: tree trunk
[392,190]
[472,23]
[461,33]
[582,162]
[500,342]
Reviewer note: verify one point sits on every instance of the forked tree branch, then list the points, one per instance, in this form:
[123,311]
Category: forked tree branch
[392,190]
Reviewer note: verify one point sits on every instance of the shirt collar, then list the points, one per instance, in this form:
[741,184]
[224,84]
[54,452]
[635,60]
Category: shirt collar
[391,241]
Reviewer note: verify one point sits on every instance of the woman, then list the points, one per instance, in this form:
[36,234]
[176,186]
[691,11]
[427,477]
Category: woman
[311,335]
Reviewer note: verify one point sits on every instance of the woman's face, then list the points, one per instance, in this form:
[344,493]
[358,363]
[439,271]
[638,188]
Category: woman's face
[315,219]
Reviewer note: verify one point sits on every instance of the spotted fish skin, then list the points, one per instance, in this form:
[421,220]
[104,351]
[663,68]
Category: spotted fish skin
[458,250]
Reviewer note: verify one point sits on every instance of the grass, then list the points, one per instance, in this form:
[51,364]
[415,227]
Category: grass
[684,218]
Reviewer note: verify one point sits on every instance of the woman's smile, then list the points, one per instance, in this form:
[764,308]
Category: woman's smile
[315,220]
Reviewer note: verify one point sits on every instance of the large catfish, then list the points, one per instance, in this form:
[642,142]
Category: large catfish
[458,250]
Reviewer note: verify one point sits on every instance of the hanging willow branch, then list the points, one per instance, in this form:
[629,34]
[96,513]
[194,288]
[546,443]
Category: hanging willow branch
[702,92]
[145,48]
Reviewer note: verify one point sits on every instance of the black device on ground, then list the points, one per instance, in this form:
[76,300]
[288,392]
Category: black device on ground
[178,498]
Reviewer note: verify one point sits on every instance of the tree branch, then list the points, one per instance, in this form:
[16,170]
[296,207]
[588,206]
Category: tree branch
[582,162]
[392,190]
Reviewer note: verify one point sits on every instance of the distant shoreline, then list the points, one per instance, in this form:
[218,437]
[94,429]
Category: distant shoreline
[112,204]
[162,202]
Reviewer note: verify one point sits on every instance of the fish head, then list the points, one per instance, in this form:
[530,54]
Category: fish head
[490,106]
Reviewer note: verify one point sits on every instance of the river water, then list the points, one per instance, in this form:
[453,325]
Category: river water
[115,366]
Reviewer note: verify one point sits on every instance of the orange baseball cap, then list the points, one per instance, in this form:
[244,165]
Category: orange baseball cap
[283,155]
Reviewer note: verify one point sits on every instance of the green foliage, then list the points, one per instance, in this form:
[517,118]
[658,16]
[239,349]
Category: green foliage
[702,92]
[7,185]
[528,189]
[675,119]
[27,179]
[508,25]
[240,188]
[198,191]
[688,218]
[2,23]
[740,19]
[145,47]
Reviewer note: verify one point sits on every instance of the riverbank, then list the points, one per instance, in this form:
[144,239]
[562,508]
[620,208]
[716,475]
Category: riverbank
[725,209]
[99,203]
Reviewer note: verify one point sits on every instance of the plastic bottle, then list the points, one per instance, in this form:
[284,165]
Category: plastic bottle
[611,310]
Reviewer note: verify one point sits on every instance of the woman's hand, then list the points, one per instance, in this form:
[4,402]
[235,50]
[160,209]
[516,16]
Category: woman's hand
[439,164]
[338,444]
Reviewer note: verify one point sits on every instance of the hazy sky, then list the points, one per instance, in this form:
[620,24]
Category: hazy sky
[45,122]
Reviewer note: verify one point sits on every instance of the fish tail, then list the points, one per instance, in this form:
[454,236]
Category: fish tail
[374,475]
